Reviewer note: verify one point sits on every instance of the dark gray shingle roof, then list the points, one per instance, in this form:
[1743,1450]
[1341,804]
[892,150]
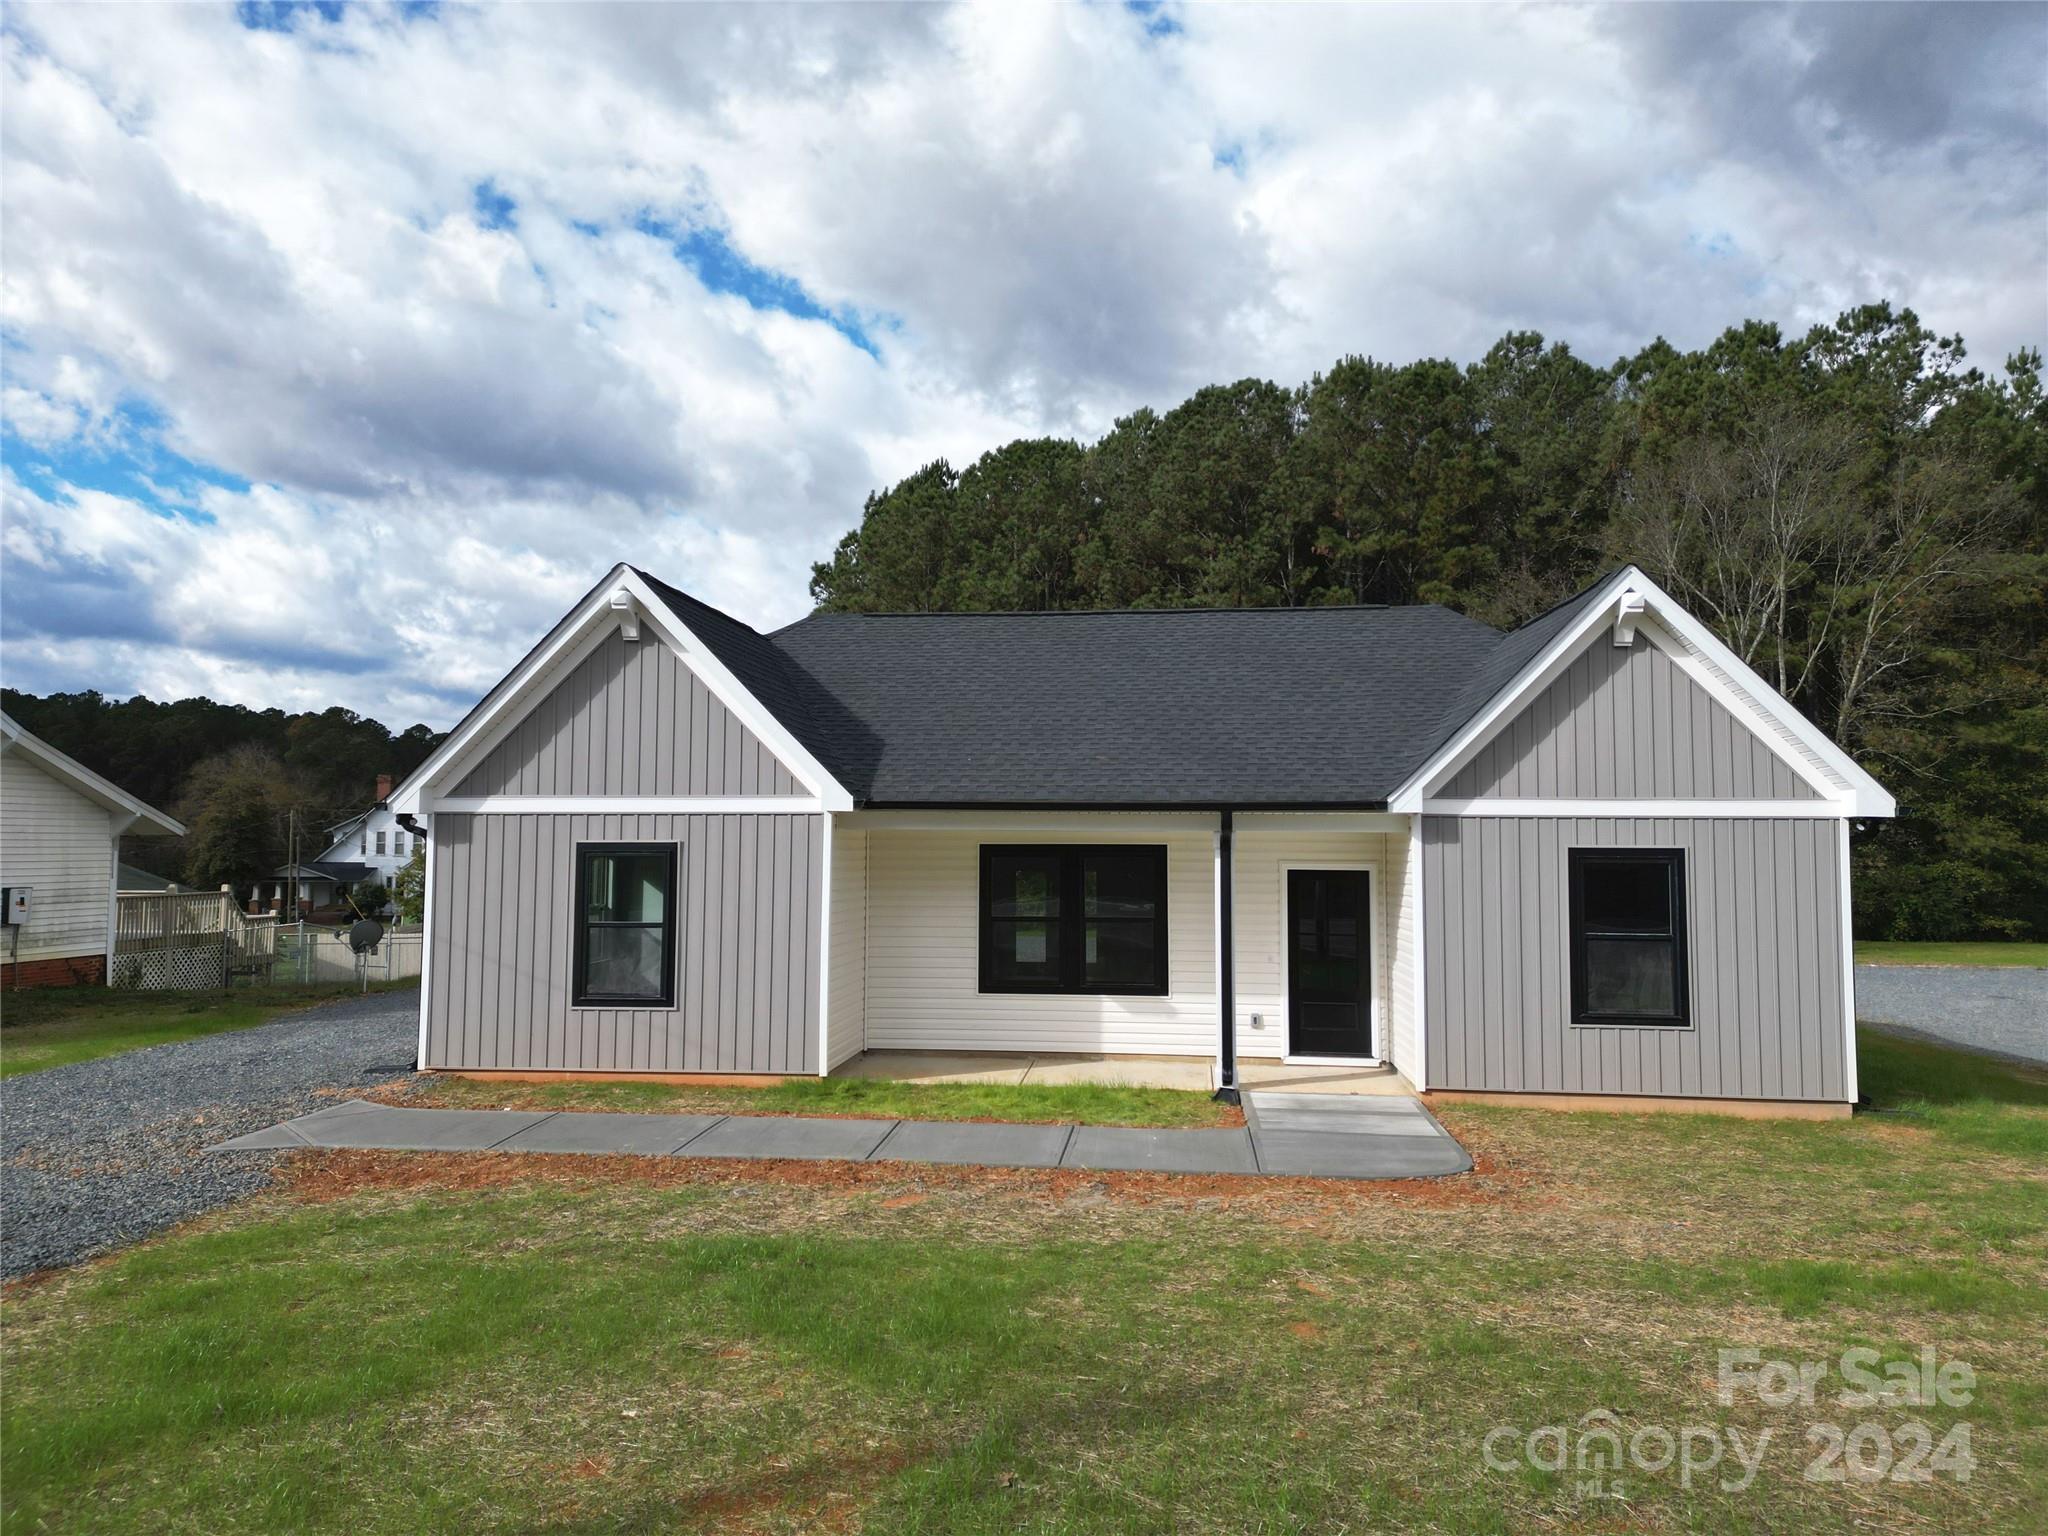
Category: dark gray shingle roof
[1150,707]
[1209,707]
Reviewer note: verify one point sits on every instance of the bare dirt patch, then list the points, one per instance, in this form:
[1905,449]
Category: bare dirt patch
[316,1177]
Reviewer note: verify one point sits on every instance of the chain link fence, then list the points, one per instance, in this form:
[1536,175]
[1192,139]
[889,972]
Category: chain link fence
[316,952]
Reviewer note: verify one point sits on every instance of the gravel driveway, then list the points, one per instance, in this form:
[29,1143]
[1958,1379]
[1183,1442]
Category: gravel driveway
[105,1152]
[2000,1010]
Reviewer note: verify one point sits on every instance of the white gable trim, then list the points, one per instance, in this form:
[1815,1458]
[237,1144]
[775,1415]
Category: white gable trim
[1834,775]
[571,642]
[74,775]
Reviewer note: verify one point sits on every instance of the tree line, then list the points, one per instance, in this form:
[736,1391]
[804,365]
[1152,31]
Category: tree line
[239,779]
[1861,516]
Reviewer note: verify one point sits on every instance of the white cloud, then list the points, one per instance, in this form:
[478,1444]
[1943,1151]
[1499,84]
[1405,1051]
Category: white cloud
[246,274]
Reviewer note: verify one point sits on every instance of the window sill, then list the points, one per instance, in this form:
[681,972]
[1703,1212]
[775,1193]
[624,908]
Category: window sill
[1620,1022]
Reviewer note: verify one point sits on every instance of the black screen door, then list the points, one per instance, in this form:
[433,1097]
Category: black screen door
[1329,963]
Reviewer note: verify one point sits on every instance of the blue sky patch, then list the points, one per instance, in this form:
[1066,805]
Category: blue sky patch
[283,15]
[494,210]
[1159,21]
[706,252]
[133,464]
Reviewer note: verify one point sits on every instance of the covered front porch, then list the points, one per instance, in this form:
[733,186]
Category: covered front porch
[1115,946]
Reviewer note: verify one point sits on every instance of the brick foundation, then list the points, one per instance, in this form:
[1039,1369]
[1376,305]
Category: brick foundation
[64,971]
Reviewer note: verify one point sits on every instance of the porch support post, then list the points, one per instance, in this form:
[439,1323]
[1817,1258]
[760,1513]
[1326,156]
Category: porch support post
[1226,968]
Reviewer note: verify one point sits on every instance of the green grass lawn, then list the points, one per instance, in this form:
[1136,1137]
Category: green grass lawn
[55,1026]
[1047,1104]
[559,1345]
[1880,952]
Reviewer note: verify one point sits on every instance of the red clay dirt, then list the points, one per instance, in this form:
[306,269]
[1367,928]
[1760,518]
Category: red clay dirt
[320,1176]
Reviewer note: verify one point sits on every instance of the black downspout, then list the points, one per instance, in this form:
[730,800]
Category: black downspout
[1226,968]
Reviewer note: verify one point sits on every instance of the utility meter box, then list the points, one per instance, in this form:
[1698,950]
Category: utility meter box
[15,901]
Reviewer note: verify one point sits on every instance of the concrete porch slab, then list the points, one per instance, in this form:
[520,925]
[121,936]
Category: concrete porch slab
[1122,1072]
[586,1131]
[938,1066]
[1122,1149]
[1192,1074]
[992,1146]
[1315,1077]
[790,1136]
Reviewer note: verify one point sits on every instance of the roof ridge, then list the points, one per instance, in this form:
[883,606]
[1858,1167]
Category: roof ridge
[1071,613]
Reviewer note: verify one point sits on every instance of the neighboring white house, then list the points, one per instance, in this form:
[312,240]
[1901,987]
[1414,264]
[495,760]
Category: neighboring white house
[373,838]
[61,826]
[369,848]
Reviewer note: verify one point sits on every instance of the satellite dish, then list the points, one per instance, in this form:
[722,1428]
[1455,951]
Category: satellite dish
[365,935]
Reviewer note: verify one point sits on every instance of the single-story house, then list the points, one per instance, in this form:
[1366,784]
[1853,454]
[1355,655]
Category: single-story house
[61,826]
[1596,858]
[311,886]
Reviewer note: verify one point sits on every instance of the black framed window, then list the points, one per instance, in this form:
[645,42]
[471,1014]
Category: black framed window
[1073,919]
[626,924]
[1628,936]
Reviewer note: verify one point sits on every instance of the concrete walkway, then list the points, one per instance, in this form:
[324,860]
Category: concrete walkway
[1305,1135]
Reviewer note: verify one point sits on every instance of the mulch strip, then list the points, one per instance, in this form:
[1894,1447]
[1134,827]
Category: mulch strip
[318,1176]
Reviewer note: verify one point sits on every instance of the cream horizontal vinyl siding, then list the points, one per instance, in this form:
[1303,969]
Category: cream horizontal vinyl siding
[923,956]
[1261,924]
[923,947]
[847,979]
[55,840]
[1404,898]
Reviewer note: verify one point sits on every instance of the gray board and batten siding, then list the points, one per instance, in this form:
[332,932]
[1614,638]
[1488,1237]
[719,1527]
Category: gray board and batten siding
[1763,900]
[630,719]
[1626,723]
[1763,941]
[749,904]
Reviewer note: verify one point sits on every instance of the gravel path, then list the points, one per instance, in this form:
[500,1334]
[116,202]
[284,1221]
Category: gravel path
[105,1152]
[2000,1010]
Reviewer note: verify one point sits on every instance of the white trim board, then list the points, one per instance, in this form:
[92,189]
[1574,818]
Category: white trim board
[1848,973]
[579,633]
[1417,1072]
[426,939]
[825,955]
[1833,774]
[628,805]
[996,820]
[1828,810]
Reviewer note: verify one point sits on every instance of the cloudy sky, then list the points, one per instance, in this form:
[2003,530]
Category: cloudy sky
[344,347]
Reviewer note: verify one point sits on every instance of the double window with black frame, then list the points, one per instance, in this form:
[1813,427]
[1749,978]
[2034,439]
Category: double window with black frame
[1074,919]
